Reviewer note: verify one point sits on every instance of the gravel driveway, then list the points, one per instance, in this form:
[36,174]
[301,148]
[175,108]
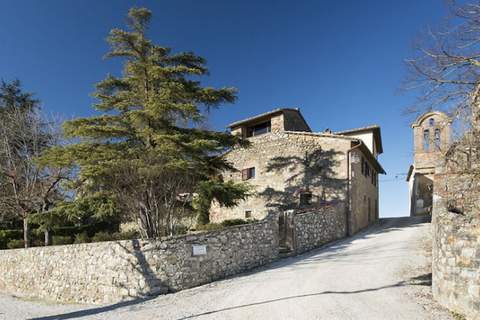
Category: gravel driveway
[378,274]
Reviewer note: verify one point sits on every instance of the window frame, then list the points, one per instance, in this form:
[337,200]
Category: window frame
[426,140]
[248,173]
[309,198]
[256,130]
[437,138]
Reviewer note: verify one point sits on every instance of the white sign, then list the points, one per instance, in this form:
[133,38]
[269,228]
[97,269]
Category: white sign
[199,249]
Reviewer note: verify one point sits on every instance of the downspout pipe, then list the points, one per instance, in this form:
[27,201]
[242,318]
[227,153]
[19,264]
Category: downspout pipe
[349,200]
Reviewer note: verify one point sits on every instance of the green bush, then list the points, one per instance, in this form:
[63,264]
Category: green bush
[15,244]
[102,236]
[209,227]
[8,235]
[59,240]
[82,238]
[125,235]
[180,229]
[235,222]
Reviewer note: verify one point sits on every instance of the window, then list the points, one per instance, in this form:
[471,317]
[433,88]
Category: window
[369,210]
[248,214]
[431,122]
[367,169]
[437,138]
[426,139]
[305,198]
[363,166]
[259,129]
[248,173]
[374,177]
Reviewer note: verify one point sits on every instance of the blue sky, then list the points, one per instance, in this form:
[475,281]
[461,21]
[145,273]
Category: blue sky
[340,61]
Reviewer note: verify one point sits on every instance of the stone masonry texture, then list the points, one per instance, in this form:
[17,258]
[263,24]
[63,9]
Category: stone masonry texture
[456,243]
[108,272]
[290,163]
[315,228]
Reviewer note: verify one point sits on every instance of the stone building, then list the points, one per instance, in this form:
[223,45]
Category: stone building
[431,136]
[291,167]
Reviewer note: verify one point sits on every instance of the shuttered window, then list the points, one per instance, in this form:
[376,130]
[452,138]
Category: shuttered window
[248,173]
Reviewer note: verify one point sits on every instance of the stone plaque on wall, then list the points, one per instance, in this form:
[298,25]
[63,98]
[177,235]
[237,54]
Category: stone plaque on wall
[199,249]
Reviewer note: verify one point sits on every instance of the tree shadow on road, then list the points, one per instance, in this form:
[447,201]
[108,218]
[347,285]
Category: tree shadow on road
[420,280]
[94,311]
[333,250]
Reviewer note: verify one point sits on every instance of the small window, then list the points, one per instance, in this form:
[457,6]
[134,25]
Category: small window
[431,122]
[367,170]
[305,198]
[248,214]
[248,173]
[369,210]
[261,128]
[426,140]
[373,177]
[363,166]
[437,139]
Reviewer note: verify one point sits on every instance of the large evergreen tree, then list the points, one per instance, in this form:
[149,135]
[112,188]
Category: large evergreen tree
[147,149]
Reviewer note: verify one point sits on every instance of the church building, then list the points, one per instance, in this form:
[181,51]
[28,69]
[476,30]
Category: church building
[431,137]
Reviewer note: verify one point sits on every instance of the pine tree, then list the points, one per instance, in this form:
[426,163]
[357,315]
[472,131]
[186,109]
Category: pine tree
[147,149]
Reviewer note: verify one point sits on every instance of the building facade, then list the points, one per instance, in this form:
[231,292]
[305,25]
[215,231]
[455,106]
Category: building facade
[431,137]
[291,167]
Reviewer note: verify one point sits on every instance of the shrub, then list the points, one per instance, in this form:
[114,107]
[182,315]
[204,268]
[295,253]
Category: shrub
[15,244]
[209,227]
[82,237]
[235,222]
[8,235]
[102,236]
[180,229]
[125,235]
[59,240]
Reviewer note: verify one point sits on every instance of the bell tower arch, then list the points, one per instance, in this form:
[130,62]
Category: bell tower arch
[431,137]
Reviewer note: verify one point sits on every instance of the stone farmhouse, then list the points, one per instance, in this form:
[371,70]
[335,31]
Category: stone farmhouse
[291,167]
[431,137]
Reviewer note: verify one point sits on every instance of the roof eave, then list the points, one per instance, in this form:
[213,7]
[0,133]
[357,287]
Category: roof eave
[371,157]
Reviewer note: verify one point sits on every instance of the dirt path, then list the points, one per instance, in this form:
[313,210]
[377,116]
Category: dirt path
[378,274]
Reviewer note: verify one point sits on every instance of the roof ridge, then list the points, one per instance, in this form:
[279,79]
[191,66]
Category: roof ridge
[372,126]
[280,109]
[320,134]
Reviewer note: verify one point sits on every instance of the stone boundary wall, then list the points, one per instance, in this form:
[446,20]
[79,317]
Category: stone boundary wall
[107,272]
[315,228]
[456,246]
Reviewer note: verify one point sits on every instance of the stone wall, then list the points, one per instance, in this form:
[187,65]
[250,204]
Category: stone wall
[364,193]
[456,243]
[107,272]
[315,228]
[288,164]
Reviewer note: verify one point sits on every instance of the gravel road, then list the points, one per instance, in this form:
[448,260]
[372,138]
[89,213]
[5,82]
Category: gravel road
[378,274]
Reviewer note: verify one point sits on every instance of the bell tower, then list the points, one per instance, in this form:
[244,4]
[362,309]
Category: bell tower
[431,137]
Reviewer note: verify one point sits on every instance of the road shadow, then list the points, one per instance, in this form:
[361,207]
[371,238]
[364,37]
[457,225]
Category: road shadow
[153,286]
[420,280]
[94,311]
[334,250]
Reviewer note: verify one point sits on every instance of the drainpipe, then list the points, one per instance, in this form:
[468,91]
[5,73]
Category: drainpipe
[349,206]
